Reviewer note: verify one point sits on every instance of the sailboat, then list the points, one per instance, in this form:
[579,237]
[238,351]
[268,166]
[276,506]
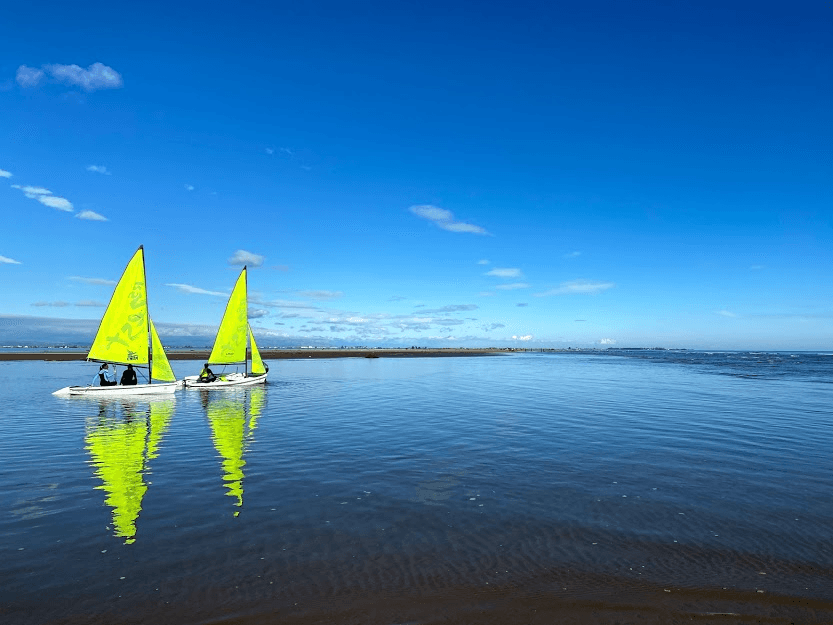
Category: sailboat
[127,336]
[230,346]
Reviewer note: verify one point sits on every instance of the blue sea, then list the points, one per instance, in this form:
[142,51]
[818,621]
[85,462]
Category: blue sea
[619,486]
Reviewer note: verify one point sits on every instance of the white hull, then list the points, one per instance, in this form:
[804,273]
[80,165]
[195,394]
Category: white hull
[233,379]
[110,391]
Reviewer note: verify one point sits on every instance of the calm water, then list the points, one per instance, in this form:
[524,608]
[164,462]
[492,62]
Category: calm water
[575,477]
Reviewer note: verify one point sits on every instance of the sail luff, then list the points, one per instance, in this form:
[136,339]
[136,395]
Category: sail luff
[147,317]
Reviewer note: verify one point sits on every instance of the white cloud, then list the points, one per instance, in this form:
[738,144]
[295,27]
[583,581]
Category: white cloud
[578,286]
[32,192]
[44,196]
[525,337]
[572,254]
[757,267]
[9,261]
[445,219]
[242,257]
[99,169]
[256,313]
[726,313]
[51,304]
[53,201]
[483,262]
[270,150]
[607,341]
[96,76]
[102,281]
[28,76]
[513,286]
[5,174]
[91,215]
[189,187]
[90,303]
[321,295]
[187,288]
[505,272]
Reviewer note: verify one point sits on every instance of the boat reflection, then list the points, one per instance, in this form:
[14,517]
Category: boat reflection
[233,418]
[121,439]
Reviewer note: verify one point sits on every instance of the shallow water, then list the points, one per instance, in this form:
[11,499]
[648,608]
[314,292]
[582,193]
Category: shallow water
[348,482]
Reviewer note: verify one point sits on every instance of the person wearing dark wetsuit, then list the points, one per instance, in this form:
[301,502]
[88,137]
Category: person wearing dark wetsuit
[128,378]
[206,375]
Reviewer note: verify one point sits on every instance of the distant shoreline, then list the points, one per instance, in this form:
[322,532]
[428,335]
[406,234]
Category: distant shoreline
[268,354]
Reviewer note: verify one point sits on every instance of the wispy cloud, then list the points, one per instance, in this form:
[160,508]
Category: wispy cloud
[504,272]
[257,313]
[90,303]
[607,342]
[96,76]
[51,304]
[5,174]
[522,305]
[445,219]
[450,308]
[100,281]
[9,261]
[189,187]
[572,254]
[242,257]
[725,313]
[29,77]
[512,286]
[396,298]
[525,337]
[187,288]
[757,267]
[321,295]
[99,169]
[270,151]
[32,192]
[493,326]
[45,197]
[53,201]
[483,262]
[91,215]
[578,286]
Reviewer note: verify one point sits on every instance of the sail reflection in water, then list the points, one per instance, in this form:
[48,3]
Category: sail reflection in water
[121,439]
[232,428]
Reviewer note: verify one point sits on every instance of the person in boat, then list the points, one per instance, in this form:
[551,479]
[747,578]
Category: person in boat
[128,378]
[105,376]
[206,375]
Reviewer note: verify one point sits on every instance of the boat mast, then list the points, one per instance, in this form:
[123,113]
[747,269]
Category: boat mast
[147,318]
[246,351]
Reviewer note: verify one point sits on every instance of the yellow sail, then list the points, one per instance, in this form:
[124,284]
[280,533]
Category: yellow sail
[117,451]
[230,344]
[227,419]
[160,420]
[257,400]
[257,363]
[122,336]
[161,369]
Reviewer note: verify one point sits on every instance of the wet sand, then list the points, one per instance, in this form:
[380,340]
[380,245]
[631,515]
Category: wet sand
[267,354]
[558,596]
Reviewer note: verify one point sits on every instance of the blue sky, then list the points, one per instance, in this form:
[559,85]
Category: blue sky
[598,173]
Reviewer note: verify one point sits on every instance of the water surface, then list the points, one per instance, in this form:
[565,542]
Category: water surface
[365,490]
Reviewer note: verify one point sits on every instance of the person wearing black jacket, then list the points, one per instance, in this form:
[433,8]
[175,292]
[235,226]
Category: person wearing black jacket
[128,378]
